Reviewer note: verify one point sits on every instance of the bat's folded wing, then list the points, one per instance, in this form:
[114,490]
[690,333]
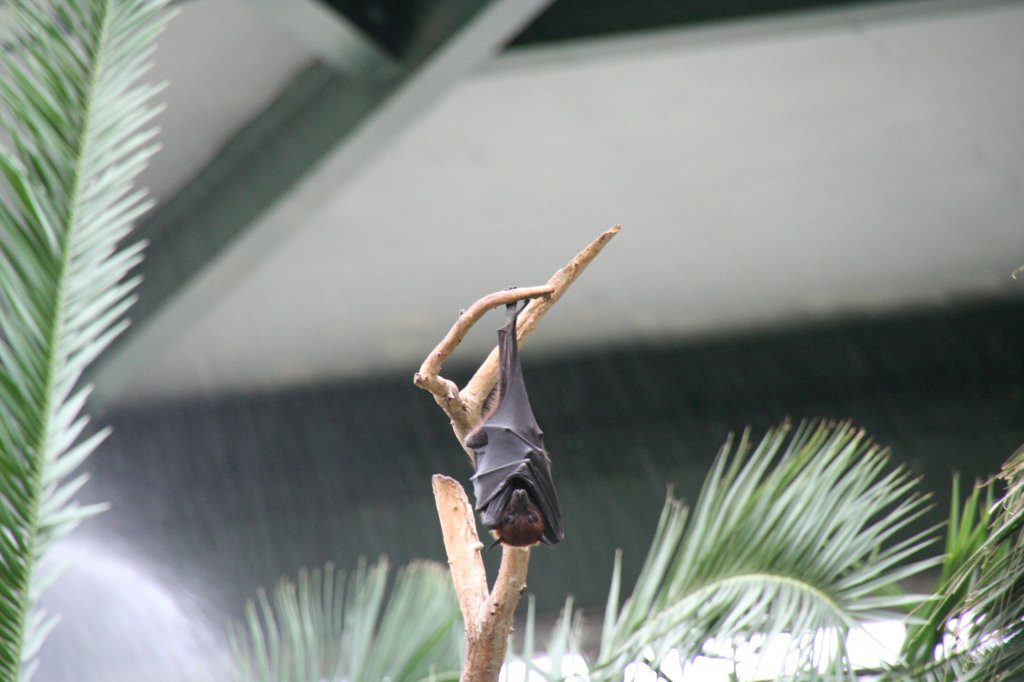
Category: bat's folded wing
[543,489]
[504,456]
[507,462]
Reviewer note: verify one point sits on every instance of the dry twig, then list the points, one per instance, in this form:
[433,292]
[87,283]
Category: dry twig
[463,407]
[445,392]
[487,615]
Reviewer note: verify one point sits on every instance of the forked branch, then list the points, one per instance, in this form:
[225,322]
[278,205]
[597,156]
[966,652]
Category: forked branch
[463,407]
[487,615]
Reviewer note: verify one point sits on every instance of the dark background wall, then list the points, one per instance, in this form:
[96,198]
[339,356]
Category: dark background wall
[233,492]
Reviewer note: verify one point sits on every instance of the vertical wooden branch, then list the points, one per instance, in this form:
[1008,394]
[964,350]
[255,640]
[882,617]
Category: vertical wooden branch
[463,547]
[485,652]
[488,615]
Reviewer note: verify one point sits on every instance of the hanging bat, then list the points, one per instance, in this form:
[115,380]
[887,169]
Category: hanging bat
[514,492]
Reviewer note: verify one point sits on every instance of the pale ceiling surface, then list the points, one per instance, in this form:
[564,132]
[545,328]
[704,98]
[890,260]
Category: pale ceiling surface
[763,172]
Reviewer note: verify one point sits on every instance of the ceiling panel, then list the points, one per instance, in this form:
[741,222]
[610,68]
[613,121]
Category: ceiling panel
[765,172]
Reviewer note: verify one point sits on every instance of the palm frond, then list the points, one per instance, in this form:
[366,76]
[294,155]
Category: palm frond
[993,609]
[80,133]
[925,653]
[331,627]
[562,651]
[797,537]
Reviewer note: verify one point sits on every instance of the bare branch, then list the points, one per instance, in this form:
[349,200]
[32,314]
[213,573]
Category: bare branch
[486,652]
[463,546]
[488,616]
[445,392]
[476,391]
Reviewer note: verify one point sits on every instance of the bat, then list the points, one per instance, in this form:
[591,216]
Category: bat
[515,495]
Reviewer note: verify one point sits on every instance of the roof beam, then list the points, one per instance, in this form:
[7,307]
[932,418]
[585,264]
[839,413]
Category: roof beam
[262,185]
[582,19]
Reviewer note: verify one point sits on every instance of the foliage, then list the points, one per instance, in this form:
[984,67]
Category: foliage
[562,651]
[796,537]
[992,612]
[79,131]
[335,627]
[925,653]
[973,629]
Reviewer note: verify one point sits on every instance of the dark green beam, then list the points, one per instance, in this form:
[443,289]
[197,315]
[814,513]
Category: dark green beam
[392,23]
[576,19]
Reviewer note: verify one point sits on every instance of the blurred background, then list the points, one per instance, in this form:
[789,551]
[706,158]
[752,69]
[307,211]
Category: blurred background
[822,204]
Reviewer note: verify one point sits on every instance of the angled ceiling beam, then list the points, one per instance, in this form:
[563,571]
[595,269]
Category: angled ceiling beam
[262,184]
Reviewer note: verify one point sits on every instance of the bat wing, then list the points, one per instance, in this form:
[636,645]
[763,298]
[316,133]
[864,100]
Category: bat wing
[512,454]
[507,462]
[503,457]
[543,488]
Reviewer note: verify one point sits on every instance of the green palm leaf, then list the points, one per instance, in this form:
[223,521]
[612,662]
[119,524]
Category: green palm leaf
[562,652]
[80,133]
[331,627]
[925,656]
[993,609]
[799,536]
[974,629]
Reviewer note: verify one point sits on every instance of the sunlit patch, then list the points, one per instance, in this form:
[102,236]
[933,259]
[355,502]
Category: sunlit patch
[960,637]
[868,647]
[573,669]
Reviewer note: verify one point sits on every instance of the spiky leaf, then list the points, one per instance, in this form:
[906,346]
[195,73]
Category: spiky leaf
[800,535]
[330,627]
[79,132]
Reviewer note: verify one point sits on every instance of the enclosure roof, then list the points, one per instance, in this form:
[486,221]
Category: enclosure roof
[335,186]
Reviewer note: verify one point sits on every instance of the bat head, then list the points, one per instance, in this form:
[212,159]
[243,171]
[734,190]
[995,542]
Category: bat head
[522,523]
